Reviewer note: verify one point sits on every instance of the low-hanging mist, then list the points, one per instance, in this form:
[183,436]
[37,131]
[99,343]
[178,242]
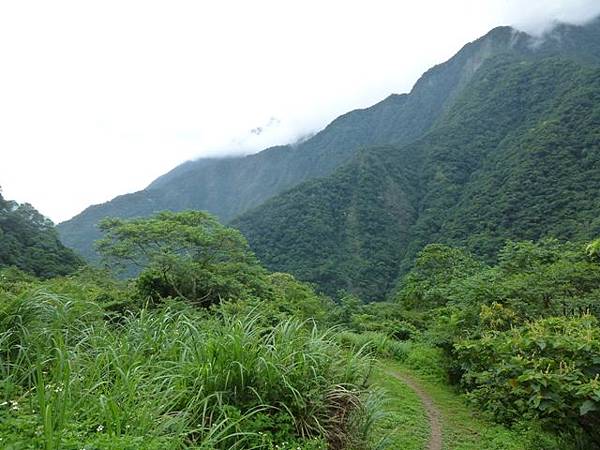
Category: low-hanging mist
[126,90]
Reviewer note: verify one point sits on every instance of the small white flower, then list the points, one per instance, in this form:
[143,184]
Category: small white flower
[100,428]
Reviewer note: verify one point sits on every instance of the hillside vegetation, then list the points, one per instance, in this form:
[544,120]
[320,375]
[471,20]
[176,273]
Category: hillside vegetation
[228,187]
[206,349]
[500,142]
[516,157]
[203,350]
[425,270]
[520,337]
[30,242]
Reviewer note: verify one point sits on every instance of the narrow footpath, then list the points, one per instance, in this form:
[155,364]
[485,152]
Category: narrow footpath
[433,413]
[425,413]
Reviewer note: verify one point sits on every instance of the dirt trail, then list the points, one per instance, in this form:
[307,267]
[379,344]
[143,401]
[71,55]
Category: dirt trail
[433,413]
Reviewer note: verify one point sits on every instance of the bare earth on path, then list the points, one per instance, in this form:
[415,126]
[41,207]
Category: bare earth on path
[433,413]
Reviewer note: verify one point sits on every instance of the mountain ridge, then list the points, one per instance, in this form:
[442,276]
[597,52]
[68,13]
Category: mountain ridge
[516,101]
[264,185]
[233,185]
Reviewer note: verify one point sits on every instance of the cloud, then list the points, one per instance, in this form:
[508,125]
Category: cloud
[537,17]
[100,98]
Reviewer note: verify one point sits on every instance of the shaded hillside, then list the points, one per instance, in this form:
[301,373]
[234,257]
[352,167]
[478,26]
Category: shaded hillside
[326,230]
[498,142]
[543,181]
[515,157]
[228,187]
[29,242]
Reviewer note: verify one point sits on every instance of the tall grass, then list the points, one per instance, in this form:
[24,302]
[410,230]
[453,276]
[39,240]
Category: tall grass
[375,343]
[425,359]
[173,378]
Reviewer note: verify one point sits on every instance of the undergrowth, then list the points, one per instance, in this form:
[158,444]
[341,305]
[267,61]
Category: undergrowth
[173,377]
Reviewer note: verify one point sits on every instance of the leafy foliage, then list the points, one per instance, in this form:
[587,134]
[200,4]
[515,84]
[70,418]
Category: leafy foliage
[546,370]
[513,158]
[88,361]
[187,255]
[29,242]
[531,280]
[522,336]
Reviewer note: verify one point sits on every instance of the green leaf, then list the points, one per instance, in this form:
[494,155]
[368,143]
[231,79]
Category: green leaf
[587,406]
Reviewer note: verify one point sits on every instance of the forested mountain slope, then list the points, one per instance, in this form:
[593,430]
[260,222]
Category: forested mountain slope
[29,242]
[228,187]
[516,157]
[499,142]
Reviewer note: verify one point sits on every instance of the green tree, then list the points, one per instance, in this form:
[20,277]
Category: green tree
[29,241]
[188,255]
[593,249]
[545,370]
[425,287]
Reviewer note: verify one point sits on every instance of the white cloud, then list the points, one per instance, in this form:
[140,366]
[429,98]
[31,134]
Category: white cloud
[539,16]
[99,98]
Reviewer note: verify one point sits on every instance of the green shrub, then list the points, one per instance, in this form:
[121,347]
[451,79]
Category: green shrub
[546,370]
[428,361]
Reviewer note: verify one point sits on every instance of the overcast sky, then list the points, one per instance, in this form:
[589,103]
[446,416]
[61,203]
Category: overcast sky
[98,98]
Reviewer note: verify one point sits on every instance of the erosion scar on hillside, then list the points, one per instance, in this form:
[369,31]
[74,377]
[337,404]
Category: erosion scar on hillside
[433,413]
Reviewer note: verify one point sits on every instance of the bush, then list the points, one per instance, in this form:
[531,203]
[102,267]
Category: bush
[546,370]
[428,361]
[422,358]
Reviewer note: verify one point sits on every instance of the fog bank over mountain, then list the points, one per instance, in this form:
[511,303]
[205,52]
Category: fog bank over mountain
[125,90]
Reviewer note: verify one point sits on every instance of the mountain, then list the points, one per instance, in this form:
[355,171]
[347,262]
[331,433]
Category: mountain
[30,242]
[516,156]
[228,187]
[500,142]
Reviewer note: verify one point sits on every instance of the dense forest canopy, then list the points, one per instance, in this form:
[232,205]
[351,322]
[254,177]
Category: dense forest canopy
[516,157]
[29,241]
